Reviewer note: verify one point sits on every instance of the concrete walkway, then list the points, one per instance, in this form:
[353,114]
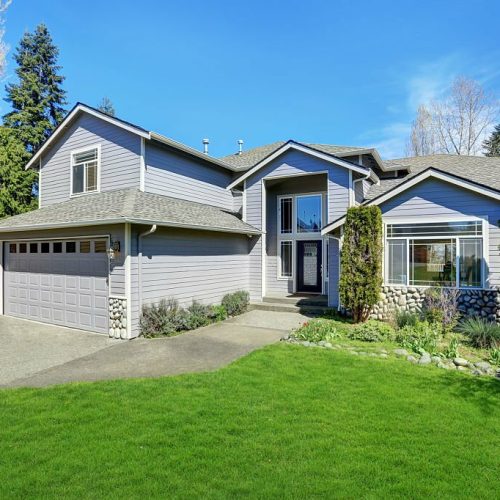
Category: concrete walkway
[204,349]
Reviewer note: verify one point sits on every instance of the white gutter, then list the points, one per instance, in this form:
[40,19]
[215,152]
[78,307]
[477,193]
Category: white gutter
[364,178]
[150,231]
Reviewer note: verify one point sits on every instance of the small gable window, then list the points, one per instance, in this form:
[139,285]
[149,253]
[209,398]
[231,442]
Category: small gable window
[84,170]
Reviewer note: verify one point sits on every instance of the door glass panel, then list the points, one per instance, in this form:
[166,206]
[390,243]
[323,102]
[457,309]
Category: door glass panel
[45,247]
[310,277]
[12,248]
[309,214]
[57,248]
[70,246]
[33,247]
[22,247]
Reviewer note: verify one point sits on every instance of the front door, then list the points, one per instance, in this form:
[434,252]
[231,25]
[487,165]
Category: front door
[309,266]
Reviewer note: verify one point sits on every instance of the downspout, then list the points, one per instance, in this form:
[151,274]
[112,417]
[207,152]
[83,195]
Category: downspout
[139,263]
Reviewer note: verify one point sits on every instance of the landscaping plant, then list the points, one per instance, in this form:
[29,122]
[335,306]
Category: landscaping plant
[317,330]
[218,312]
[481,333]
[164,318]
[495,356]
[372,331]
[441,306]
[451,351]
[198,315]
[423,336]
[236,303]
[361,261]
[401,318]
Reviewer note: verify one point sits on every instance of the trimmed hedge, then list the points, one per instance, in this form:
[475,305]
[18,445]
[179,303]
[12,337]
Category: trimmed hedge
[361,261]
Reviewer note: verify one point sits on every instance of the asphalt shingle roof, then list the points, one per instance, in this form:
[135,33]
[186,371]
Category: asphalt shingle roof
[129,205]
[247,159]
[480,169]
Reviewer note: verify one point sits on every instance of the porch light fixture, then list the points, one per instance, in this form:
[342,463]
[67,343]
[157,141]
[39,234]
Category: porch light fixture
[114,249]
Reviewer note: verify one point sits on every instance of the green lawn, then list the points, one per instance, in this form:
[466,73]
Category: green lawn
[286,421]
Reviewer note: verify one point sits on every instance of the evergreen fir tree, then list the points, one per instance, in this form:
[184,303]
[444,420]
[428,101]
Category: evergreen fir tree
[38,98]
[492,144]
[106,106]
[17,185]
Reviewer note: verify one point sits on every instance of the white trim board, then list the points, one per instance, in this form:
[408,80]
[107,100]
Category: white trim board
[429,173]
[303,149]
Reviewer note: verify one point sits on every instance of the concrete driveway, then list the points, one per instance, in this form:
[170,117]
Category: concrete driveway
[36,355]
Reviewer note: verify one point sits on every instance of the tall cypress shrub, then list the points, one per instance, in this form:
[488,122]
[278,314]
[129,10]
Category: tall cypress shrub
[361,261]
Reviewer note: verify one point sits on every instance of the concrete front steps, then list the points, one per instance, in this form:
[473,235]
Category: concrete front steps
[313,305]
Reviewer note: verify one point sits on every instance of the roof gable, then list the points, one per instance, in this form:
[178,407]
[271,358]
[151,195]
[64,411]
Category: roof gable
[417,179]
[304,149]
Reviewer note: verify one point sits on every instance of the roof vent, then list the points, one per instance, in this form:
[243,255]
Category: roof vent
[206,142]
[240,146]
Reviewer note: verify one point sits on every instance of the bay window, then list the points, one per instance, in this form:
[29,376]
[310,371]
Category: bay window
[435,254]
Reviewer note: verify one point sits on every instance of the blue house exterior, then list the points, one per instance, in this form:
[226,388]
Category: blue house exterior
[127,217]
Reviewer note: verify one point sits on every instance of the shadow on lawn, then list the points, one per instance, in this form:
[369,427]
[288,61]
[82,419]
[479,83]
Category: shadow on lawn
[484,391]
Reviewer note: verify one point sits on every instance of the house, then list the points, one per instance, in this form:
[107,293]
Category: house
[127,216]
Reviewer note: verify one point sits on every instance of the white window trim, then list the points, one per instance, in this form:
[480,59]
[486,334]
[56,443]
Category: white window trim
[294,236]
[279,260]
[408,220]
[72,164]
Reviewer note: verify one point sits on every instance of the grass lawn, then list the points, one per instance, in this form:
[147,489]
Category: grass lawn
[286,421]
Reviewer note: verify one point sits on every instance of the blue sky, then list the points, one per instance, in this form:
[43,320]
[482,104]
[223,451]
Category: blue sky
[337,72]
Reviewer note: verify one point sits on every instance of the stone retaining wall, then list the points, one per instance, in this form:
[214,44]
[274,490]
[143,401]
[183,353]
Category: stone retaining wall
[118,317]
[483,303]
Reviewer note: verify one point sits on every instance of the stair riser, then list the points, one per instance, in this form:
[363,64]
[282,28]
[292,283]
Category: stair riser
[316,310]
[300,302]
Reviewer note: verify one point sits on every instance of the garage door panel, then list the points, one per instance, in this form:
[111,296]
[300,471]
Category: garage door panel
[64,289]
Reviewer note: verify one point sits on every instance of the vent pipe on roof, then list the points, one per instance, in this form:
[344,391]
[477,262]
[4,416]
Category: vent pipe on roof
[240,146]
[206,142]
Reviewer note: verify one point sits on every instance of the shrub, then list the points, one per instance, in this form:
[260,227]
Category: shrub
[495,356]
[451,351]
[481,333]
[236,303]
[164,318]
[218,312]
[402,318]
[441,306]
[198,315]
[361,261]
[317,330]
[423,336]
[372,331]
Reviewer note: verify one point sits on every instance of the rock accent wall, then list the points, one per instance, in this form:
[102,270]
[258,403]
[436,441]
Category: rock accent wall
[118,317]
[483,303]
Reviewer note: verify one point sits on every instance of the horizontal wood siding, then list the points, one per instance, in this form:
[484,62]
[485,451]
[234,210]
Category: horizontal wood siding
[120,158]
[193,265]
[171,174]
[438,198]
[292,163]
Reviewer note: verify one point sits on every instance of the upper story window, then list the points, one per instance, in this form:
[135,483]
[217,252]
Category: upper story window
[308,213]
[435,254]
[85,170]
[286,215]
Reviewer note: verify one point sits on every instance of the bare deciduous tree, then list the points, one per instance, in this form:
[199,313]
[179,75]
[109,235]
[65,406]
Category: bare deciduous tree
[4,4]
[421,141]
[457,124]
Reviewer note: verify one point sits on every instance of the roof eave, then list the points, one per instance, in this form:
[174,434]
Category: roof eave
[131,220]
[78,108]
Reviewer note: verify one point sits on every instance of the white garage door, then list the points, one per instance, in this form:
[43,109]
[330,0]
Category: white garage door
[59,282]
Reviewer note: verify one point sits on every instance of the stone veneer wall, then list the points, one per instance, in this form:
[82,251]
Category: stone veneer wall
[483,303]
[118,317]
